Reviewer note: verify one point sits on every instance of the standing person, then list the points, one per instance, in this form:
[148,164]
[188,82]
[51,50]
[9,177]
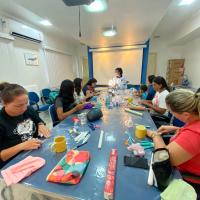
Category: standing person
[150,91]
[119,80]
[65,103]
[20,125]
[89,88]
[184,146]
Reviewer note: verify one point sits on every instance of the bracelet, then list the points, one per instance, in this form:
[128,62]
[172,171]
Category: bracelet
[154,134]
[41,123]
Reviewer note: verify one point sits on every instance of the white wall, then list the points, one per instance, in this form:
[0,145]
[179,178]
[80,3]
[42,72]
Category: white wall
[60,63]
[164,52]
[13,68]
[191,53]
[189,50]
[130,61]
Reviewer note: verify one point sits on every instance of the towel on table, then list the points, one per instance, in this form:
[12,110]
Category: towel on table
[70,168]
[22,169]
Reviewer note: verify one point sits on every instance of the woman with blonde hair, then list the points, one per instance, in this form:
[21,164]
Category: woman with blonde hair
[184,146]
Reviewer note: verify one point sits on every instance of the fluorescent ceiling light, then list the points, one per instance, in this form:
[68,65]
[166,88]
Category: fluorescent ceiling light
[97,6]
[46,22]
[186,2]
[110,32]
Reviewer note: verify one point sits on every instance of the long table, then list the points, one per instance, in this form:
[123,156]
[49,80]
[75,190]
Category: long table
[131,183]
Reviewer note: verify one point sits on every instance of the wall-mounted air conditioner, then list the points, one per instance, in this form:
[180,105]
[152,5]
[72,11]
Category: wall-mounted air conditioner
[20,30]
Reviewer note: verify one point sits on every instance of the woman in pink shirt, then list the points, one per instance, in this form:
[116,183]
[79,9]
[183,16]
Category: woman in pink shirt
[184,147]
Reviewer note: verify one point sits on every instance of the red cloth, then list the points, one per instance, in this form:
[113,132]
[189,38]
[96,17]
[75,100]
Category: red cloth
[188,138]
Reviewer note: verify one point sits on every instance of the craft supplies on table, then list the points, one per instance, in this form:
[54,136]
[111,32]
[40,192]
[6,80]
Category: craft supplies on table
[133,112]
[110,178]
[100,139]
[70,168]
[22,169]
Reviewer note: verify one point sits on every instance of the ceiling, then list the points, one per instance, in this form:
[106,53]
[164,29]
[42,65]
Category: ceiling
[135,19]
[175,17]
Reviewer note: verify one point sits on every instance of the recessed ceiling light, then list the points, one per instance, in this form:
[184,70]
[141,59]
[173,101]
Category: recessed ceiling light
[46,22]
[186,2]
[110,32]
[97,6]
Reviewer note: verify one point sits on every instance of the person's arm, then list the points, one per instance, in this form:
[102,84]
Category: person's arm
[34,115]
[178,155]
[12,151]
[62,115]
[167,129]
[145,102]
[155,108]
[42,129]
[132,107]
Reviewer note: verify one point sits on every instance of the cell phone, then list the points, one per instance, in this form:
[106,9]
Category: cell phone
[133,161]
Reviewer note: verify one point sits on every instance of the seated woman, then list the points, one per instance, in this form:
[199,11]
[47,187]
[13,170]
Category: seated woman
[65,103]
[184,146]
[78,93]
[142,93]
[119,80]
[89,88]
[157,106]
[150,91]
[20,125]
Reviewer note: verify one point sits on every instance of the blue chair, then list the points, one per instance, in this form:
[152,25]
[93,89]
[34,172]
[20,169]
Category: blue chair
[34,100]
[129,86]
[53,114]
[45,96]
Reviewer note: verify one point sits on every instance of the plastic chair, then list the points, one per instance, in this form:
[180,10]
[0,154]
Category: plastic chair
[129,86]
[53,115]
[34,100]
[45,96]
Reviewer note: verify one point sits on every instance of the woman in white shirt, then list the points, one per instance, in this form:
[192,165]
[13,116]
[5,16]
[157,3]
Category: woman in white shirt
[119,80]
[158,105]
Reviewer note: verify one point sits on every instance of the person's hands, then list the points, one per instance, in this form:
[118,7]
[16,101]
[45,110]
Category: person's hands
[166,129]
[150,133]
[31,144]
[43,131]
[141,101]
[79,107]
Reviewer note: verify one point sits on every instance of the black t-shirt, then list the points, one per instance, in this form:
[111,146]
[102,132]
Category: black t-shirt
[65,105]
[14,130]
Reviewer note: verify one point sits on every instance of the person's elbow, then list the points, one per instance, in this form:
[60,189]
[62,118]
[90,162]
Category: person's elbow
[60,116]
[162,111]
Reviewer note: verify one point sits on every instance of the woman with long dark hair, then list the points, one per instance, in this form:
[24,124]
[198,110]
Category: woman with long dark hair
[78,93]
[158,104]
[65,103]
[89,88]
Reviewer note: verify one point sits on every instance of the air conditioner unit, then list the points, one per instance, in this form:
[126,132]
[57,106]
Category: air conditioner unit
[77,2]
[23,31]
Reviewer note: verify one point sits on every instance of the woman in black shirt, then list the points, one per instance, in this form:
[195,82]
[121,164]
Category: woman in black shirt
[65,102]
[20,125]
